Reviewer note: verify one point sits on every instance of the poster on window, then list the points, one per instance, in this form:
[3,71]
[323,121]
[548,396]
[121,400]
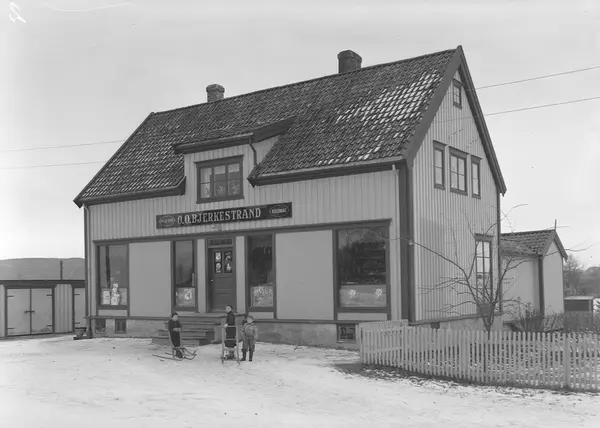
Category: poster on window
[185,297]
[106,297]
[218,268]
[123,292]
[262,296]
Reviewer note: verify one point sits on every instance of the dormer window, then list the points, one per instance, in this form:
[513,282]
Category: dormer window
[220,180]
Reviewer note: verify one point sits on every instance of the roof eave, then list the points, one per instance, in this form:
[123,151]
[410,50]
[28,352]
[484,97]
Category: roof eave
[217,143]
[354,168]
[176,190]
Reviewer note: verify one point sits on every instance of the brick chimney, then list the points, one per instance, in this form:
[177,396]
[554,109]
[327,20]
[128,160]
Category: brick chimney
[349,61]
[214,92]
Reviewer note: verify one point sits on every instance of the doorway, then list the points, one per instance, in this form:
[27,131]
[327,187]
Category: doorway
[29,311]
[221,277]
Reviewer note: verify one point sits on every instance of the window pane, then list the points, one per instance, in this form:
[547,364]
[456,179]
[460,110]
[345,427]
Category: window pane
[362,267]
[454,180]
[184,263]
[220,188]
[233,171]
[438,158]
[475,171]
[205,174]
[205,190]
[114,275]
[486,249]
[461,166]
[453,163]
[185,297]
[220,173]
[438,176]
[261,274]
[235,187]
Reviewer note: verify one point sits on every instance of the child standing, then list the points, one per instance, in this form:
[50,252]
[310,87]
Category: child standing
[174,332]
[230,331]
[249,336]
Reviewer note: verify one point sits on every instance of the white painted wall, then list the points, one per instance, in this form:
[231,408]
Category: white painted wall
[443,220]
[553,281]
[521,285]
[304,271]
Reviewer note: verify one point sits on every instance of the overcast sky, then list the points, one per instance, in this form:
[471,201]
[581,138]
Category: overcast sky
[84,71]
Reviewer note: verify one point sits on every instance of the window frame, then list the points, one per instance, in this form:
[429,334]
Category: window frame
[213,164]
[475,161]
[454,153]
[345,325]
[123,322]
[439,147]
[98,278]
[485,240]
[247,243]
[174,285]
[457,85]
[337,283]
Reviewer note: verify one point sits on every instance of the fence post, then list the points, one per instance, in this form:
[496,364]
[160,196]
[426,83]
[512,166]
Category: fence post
[567,361]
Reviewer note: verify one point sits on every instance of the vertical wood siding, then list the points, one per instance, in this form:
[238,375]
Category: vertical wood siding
[521,285]
[240,273]
[63,308]
[443,220]
[358,198]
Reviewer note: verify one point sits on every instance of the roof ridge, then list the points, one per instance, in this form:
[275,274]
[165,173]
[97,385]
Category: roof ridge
[528,231]
[315,79]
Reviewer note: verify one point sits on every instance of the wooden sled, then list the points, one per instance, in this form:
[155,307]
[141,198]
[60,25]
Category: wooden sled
[187,354]
[225,350]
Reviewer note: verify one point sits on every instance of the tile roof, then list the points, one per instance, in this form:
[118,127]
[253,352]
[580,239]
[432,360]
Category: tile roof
[367,114]
[534,242]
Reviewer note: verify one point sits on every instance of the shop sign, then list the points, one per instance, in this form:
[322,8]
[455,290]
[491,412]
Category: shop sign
[227,215]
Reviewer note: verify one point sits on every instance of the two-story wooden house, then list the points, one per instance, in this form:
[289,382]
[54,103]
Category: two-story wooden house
[299,204]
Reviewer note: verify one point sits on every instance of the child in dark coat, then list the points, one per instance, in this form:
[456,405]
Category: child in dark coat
[230,331]
[249,336]
[174,332]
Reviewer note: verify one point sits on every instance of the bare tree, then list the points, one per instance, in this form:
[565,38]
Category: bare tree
[573,275]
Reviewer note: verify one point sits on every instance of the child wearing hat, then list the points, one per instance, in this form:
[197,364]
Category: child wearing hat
[249,336]
[174,332]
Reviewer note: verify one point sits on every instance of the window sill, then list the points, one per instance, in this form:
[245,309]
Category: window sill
[457,105]
[120,307]
[477,196]
[459,192]
[260,309]
[362,309]
[439,186]
[211,200]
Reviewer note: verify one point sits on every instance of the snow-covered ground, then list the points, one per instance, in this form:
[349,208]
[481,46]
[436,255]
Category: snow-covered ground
[59,382]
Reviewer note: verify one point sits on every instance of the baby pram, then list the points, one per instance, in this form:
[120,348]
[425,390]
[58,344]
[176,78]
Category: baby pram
[231,343]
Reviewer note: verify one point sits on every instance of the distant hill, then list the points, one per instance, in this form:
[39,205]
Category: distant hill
[11,269]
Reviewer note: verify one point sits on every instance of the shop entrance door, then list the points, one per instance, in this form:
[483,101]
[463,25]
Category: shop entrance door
[221,278]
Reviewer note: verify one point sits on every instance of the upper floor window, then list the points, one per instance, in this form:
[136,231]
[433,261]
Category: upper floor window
[220,180]
[475,176]
[457,93]
[458,172]
[439,165]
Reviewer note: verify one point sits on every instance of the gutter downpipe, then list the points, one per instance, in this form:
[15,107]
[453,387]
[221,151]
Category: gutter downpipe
[251,144]
[88,293]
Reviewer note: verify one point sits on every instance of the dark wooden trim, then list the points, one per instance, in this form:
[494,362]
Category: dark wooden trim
[459,154]
[437,146]
[173,254]
[240,232]
[336,285]
[405,238]
[499,240]
[41,283]
[541,286]
[326,172]
[177,190]
[472,99]
[482,237]
[459,85]
[215,163]
[212,144]
[476,161]
[78,201]
[99,305]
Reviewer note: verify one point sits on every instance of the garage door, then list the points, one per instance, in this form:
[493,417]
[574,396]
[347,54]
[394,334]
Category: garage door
[29,311]
[79,303]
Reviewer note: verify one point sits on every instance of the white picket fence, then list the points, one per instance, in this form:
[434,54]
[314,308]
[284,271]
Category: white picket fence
[544,360]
